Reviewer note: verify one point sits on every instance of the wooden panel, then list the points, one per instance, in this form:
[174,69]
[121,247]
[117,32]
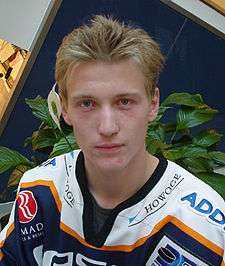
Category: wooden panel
[16,30]
[202,13]
[7,92]
[10,90]
[219,5]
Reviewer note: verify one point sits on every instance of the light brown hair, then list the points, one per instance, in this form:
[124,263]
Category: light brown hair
[106,39]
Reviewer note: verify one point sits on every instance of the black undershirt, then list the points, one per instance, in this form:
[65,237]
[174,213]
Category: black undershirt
[91,220]
[99,215]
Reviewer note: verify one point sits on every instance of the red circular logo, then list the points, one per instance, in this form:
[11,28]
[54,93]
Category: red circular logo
[27,206]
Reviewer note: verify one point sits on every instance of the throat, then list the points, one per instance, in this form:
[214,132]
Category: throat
[109,190]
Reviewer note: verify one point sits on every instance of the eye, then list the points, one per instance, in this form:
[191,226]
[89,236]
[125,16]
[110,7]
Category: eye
[124,101]
[87,104]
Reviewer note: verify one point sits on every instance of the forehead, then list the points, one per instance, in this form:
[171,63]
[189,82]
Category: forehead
[105,78]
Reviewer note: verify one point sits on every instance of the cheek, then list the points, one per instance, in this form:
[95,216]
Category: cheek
[135,131]
[76,118]
[83,128]
[136,121]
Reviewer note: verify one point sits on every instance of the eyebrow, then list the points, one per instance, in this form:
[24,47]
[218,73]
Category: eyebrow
[128,94]
[89,96]
[82,96]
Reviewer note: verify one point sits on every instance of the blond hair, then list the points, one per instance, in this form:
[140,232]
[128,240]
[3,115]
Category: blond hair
[108,40]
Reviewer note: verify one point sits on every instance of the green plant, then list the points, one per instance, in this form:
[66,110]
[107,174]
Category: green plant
[46,142]
[175,139]
[179,140]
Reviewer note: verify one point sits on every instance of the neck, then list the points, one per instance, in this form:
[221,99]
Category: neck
[110,189]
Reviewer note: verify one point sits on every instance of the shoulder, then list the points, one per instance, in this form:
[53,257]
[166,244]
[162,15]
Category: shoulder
[51,173]
[193,185]
[197,204]
[44,185]
[52,168]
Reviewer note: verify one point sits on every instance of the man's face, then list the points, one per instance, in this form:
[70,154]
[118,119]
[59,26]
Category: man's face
[109,110]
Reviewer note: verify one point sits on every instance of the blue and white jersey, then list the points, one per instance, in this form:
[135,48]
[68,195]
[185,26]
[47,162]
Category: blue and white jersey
[174,219]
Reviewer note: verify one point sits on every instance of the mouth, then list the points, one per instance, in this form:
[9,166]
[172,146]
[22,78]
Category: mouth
[112,147]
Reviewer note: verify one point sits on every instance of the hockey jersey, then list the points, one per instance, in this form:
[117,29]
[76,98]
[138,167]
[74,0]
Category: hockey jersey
[174,219]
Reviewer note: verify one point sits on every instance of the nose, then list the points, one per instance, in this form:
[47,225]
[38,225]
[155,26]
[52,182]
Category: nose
[108,124]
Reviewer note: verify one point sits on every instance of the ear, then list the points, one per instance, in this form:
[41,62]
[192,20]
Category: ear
[154,105]
[65,114]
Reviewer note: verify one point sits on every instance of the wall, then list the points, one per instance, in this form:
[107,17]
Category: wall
[202,13]
[26,24]
[195,58]
[21,20]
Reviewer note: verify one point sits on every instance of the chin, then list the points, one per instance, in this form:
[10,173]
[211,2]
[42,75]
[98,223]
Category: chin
[111,164]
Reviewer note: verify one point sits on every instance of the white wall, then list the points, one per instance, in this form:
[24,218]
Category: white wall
[200,13]
[22,20]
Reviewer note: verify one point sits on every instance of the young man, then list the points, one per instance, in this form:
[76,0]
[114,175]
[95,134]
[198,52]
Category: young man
[112,203]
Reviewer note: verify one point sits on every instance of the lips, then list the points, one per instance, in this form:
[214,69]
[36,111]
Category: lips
[109,146]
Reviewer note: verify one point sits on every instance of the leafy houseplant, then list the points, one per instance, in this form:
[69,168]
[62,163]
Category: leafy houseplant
[179,141]
[175,139]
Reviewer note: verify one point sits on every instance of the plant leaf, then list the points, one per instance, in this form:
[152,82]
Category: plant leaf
[27,141]
[39,109]
[156,131]
[161,112]
[62,146]
[43,138]
[218,157]
[196,165]
[16,175]
[10,158]
[54,106]
[207,138]
[4,195]
[188,151]
[192,151]
[184,98]
[188,117]
[216,181]
[169,127]
[220,170]
[155,146]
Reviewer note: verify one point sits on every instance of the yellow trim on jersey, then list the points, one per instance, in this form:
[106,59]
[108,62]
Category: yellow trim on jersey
[1,255]
[127,248]
[201,239]
[45,183]
[8,232]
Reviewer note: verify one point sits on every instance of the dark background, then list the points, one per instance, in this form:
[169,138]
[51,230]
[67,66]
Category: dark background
[195,59]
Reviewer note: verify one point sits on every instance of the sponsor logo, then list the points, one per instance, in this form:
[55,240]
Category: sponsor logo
[81,260]
[169,253]
[27,206]
[169,256]
[68,196]
[54,258]
[32,231]
[204,207]
[37,252]
[72,154]
[163,196]
[51,162]
[160,200]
